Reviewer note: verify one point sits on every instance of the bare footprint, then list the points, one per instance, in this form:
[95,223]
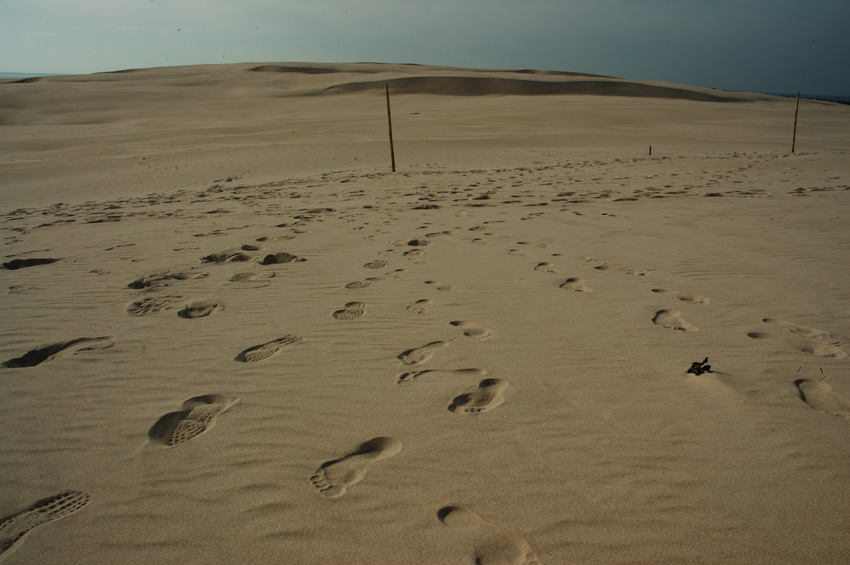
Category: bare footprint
[266,350]
[419,307]
[821,349]
[430,375]
[576,285]
[350,311]
[198,414]
[673,319]
[472,330]
[804,332]
[200,309]
[490,544]
[441,286]
[627,270]
[14,528]
[819,396]
[58,350]
[684,297]
[333,478]
[546,267]
[488,395]
[420,355]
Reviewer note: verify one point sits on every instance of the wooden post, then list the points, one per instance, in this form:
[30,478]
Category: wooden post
[390,123]
[650,150]
[794,135]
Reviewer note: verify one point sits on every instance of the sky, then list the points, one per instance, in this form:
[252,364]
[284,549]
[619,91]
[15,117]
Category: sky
[776,46]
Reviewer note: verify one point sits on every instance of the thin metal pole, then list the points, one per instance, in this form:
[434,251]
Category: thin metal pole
[390,123]
[794,135]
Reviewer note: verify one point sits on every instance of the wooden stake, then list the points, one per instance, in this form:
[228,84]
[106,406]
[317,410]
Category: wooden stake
[794,135]
[650,150]
[390,123]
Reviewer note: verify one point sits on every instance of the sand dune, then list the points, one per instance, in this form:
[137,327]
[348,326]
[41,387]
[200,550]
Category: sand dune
[231,335]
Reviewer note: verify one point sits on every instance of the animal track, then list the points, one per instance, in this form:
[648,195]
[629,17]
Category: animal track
[14,528]
[352,310]
[422,354]
[198,414]
[491,545]
[673,319]
[472,330]
[266,350]
[334,478]
[58,350]
[488,395]
[576,285]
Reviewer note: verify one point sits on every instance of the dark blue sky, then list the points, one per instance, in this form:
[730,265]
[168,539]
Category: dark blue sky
[756,45]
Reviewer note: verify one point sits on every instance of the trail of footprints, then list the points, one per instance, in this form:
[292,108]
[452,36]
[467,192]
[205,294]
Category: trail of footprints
[487,542]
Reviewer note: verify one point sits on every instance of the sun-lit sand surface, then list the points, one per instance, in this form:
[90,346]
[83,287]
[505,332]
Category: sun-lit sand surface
[232,335]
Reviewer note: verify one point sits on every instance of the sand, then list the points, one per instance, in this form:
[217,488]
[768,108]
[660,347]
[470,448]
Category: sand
[232,335]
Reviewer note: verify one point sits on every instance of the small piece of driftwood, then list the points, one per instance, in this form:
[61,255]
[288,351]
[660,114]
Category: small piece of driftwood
[700,367]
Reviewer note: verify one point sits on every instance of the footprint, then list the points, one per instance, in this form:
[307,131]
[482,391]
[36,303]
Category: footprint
[413,253]
[200,309]
[227,257]
[333,478]
[576,284]
[14,528]
[491,545]
[153,305]
[58,350]
[430,375]
[684,297]
[488,395]
[419,307]
[198,414]
[821,349]
[441,286]
[260,279]
[266,350]
[805,332]
[472,330]
[16,264]
[280,259]
[251,276]
[422,354]
[378,264]
[358,284]
[819,396]
[350,311]
[673,319]
[546,267]
[163,279]
[627,270]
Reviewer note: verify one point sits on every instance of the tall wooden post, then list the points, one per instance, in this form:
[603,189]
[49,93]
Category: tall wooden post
[794,135]
[390,124]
